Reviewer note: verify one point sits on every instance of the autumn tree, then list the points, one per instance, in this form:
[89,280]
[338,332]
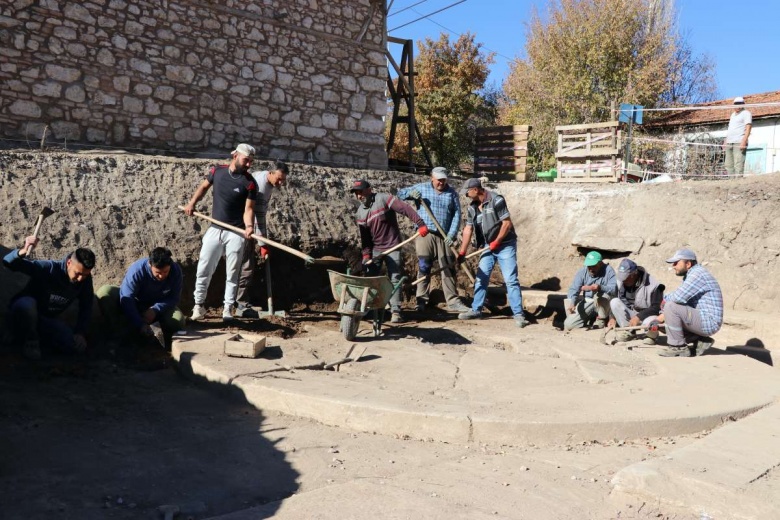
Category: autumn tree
[451,98]
[585,56]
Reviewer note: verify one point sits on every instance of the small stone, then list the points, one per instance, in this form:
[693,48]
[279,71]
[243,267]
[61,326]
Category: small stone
[330,481]
[505,484]
[524,468]
[594,480]
[392,462]
[434,495]
[574,477]
[293,450]
[333,450]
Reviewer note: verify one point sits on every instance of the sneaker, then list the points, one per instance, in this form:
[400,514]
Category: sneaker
[703,344]
[599,324]
[470,315]
[420,305]
[396,317]
[198,312]
[246,311]
[227,313]
[458,307]
[682,351]
[625,335]
[520,320]
[32,350]
[648,341]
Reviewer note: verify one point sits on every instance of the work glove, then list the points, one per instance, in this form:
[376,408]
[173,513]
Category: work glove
[414,195]
[448,241]
[461,257]
[495,244]
[264,251]
[423,230]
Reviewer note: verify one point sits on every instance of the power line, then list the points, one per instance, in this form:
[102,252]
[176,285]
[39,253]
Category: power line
[407,8]
[427,15]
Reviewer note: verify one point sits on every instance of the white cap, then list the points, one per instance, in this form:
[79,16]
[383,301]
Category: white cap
[439,172]
[244,149]
[739,100]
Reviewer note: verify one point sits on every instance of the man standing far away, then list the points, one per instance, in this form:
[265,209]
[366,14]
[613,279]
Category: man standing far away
[693,311]
[235,192]
[488,219]
[638,301]
[589,294]
[443,201]
[736,141]
[52,287]
[379,232]
[268,180]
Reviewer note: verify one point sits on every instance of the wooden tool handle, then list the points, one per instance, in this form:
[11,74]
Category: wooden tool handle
[444,234]
[440,269]
[394,248]
[259,238]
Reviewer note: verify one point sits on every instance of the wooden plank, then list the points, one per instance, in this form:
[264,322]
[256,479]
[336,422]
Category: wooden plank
[503,129]
[508,154]
[500,169]
[518,138]
[608,124]
[581,154]
[500,162]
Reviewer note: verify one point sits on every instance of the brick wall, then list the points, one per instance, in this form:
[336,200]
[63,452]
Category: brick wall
[302,80]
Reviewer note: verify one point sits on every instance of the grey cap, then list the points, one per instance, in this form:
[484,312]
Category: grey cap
[440,172]
[627,266]
[682,254]
[470,183]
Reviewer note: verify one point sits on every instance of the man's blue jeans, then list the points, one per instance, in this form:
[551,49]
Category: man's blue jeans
[506,255]
[27,324]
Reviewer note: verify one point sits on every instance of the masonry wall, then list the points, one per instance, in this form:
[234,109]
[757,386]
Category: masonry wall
[302,80]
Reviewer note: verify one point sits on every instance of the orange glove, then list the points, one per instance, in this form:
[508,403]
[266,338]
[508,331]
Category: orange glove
[423,230]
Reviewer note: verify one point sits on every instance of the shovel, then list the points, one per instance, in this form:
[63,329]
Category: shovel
[269,286]
[45,212]
[394,248]
[439,269]
[444,234]
[264,240]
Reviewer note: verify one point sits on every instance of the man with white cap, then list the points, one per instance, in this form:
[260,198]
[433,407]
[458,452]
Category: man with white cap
[443,201]
[235,192]
[639,297]
[736,141]
[589,294]
[694,311]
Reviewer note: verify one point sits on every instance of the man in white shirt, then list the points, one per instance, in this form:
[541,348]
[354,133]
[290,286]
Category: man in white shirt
[736,141]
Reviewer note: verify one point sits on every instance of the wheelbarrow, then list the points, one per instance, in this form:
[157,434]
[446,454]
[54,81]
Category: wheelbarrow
[357,296]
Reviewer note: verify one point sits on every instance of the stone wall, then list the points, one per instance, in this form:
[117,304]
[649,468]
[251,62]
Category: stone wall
[302,80]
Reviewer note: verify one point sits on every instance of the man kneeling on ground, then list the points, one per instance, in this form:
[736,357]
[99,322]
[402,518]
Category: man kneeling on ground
[150,292]
[589,294]
[694,311]
[638,301]
[52,287]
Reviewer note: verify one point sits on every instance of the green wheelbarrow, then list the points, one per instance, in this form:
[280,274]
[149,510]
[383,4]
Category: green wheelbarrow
[357,296]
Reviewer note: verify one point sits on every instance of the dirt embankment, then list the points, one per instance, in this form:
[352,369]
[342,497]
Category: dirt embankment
[123,205]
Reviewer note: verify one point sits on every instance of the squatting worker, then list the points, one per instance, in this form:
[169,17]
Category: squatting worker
[638,302]
[267,181]
[488,220]
[378,225]
[443,201]
[149,293]
[693,311]
[736,141]
[52,287]
[235,193]
[589,294]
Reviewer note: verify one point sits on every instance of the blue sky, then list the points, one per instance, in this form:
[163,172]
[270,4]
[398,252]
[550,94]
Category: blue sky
[741,37]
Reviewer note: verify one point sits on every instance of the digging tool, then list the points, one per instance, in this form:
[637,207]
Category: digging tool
[45,212]
[269,284]
[264,240]
[624,329]
[157,332]
[394,248]
[444,234]
[439,269]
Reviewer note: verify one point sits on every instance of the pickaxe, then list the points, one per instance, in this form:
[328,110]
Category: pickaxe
[45,212]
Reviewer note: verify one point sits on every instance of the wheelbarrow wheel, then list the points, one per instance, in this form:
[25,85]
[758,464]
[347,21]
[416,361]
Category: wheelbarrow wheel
[350,322]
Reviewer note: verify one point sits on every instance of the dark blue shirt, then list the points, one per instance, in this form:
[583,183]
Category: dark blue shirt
[140,290]
[231,190]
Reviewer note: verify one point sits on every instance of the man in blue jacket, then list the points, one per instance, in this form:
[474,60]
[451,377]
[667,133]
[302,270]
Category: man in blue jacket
[150,292]
[52,287]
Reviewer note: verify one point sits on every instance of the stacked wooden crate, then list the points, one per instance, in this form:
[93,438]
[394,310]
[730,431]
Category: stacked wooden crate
[502,151]
[589,152]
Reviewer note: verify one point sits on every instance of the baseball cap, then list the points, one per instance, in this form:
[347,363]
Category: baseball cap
[627,266]
[440,172]
[682,254]
[359,185]
[471,183]
[244,149]
[739,100]
[592,258]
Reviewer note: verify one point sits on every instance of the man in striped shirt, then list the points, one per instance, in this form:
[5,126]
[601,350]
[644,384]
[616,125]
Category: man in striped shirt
[694,311]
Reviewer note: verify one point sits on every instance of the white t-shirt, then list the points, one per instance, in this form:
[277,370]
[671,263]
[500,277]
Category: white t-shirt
[264,191]
[737,124]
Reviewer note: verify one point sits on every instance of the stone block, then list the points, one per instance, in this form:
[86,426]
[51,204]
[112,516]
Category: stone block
[76,11]
[122,83]
[95,135]
[264,72]
[132,105]
[189,135]
[65,130]
[48,89]
[164,93]
[106,57]
[140,65]
[66,33]
[179,73]
[75,93]
[330,121]
[76,49]
[64,74]
[314,133]
[25,109]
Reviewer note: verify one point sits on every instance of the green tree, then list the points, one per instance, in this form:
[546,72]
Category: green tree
[451,99]
[587,55]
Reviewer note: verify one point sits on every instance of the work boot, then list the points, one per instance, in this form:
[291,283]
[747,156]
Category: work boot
[227,313]
[599,324]
[470,315]
[198,312]
[683,351]
[648,341]
[32,350]
[420,305]
[246,311]
[458,307]
[520,320]
[625,335]
[397,317]
[703,344]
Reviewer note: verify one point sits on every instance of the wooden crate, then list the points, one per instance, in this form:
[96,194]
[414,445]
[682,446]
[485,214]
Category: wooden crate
[589,153]
[501,152]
